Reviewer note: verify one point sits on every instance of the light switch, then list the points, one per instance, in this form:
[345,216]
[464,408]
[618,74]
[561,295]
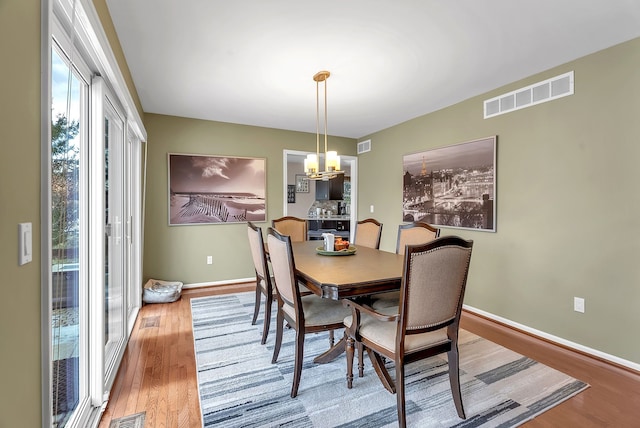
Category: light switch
[24,243]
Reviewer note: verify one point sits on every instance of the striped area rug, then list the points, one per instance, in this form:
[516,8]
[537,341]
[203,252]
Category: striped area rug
[239,387]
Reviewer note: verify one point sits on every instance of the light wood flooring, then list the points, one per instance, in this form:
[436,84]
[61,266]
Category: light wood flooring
[158,373]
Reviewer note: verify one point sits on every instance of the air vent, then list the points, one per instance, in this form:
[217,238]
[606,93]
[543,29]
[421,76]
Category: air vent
[541,92]
[364,146]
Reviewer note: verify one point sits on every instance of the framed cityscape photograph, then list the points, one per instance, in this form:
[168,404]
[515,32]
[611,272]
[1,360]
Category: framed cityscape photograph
[452,186]
[208,189]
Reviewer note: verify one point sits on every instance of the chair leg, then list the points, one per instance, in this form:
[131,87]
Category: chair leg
[402,419]
[360,359]
[378,365]
[332,339]
[267,319]
[350,343]
[454,380]
[279,328]
[297,370]
[257,305]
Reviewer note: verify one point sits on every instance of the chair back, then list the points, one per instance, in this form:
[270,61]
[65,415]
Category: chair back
[368,233]
[433,284]
[283,266]
[415,233]
[294,227]
[256,243]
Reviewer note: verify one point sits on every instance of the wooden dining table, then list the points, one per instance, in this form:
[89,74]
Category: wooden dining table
[366,272]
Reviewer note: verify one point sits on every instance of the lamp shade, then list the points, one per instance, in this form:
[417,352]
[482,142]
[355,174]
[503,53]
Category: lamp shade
[311,163]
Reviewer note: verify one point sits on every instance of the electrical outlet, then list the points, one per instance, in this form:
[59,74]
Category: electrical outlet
[209,260]
[578,304]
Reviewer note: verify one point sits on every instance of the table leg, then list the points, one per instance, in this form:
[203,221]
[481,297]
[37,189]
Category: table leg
[332,353]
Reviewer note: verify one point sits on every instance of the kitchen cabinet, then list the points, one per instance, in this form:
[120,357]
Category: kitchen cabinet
[315,228]
[331,189]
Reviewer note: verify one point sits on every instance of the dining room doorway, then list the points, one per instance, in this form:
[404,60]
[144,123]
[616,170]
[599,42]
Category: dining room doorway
[301,202]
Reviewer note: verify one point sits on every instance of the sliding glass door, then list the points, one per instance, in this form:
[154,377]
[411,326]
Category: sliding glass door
[93,221]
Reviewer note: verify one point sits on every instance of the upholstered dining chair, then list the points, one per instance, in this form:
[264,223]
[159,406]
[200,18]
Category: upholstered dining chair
[411,233]
[426,322]
[305,314]
[368,233]
[415,233]
[264,281]
[294,227]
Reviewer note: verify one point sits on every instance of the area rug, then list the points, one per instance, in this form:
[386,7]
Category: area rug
[239,387]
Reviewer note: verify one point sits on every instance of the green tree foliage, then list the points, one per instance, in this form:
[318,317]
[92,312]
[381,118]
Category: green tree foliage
[64,183]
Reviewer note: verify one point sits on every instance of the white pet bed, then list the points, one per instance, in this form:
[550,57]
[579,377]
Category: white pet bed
[158,291]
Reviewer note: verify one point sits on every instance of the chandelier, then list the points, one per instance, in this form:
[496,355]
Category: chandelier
[331,158]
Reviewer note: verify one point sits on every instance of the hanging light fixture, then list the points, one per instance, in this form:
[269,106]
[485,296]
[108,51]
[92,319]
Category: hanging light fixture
[331,158]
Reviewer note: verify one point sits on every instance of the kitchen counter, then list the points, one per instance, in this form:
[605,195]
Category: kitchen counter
[333,217]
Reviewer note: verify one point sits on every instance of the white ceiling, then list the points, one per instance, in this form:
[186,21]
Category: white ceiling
[252,61]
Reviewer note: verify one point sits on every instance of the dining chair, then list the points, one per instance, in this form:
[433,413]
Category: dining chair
[304,314]
[295,227]
[426,322]
[264,281]
[415,233]
[368,233]
[411,233]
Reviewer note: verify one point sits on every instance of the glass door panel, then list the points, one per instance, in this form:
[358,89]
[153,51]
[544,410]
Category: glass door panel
[68,128]
[114,298]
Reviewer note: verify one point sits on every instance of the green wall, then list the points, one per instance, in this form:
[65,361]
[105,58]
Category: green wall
[567,201]
[20,195]
[20,175]
[178,253]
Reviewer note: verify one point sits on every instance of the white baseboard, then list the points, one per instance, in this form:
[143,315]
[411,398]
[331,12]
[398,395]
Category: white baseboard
[556,339]
[214,283]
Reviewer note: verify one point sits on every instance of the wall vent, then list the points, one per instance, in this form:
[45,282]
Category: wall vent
[541,92]
[364,146]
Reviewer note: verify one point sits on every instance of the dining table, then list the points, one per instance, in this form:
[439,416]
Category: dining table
[337,275]
[355,274]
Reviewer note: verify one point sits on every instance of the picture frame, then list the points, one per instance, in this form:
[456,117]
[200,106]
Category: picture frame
[302,183]
[291,193]
[213,189]
[452,186]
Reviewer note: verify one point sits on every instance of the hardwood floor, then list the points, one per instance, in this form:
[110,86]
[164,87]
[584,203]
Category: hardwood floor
[158,371]
[158,374]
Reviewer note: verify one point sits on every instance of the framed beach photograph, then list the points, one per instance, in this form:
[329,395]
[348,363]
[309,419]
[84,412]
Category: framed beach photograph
[452,186]
[208,189]
[302,183]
